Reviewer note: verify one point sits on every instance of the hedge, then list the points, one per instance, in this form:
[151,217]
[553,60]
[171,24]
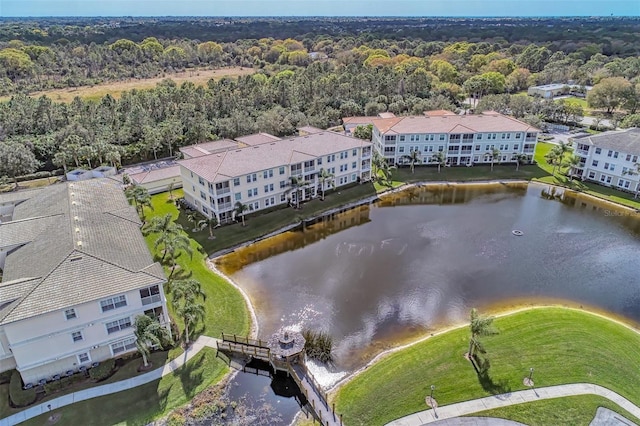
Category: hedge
[20,397]
[63,383]
[103,371]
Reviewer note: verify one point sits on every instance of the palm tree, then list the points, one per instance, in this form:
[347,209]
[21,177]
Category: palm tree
[414,158]
[149,333]
[210,222]
[386,170]
[520,159]
[170,189]
[323,177]
[479,326]
[140,197]
[162,225]
[172,243]
[634,172]
[555,157]
[571,162]
[194,218]
[297,183]
[185,295]
[377,163]
[240,209]
[440,158]
[493,154]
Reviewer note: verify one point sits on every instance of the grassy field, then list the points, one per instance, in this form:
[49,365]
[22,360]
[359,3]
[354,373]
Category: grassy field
[199,77]
[138,406]
[570,411]
[225,307]
[563,345]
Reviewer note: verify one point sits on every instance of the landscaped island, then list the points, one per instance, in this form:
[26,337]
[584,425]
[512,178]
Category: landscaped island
[563,345]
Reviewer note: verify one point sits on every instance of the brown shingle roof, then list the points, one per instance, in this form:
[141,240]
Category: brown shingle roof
[257,139]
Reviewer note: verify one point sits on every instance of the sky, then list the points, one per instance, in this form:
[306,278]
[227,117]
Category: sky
[20,8]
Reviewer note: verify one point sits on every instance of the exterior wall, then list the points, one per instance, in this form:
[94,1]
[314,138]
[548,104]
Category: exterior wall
[459,152]
[162,185]
[607,167]
[272,187]
[43,345]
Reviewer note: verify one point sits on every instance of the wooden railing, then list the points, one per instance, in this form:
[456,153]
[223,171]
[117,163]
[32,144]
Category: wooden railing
[244,340]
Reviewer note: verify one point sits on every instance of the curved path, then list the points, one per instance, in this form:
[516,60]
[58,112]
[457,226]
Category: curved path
[496,401]
[158,373]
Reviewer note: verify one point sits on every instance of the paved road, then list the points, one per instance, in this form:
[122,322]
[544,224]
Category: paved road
[110,388]
[482,404]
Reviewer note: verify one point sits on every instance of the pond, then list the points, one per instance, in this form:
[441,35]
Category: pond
[385,273]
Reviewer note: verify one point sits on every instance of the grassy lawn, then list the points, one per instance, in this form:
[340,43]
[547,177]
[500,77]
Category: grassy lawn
[261,224]
[140,405]
[560,179]
[225,307]
[574,411]
[563,345]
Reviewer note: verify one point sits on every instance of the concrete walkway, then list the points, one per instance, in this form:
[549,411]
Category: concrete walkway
[488,403]
[94,392]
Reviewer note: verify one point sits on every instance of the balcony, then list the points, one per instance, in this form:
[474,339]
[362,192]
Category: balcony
[533,139]
[309,169]
[581,152]
[224,206]
[528,151]
[466,152]
[365,166]
[155,298]
[222,191]
[366,154]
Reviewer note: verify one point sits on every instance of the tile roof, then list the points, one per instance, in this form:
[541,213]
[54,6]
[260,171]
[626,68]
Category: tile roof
[205,148]
[239,162]
[156,174]
[438,113]
[309,130]
[478,123]
[257,139]
[627,141]
[79,242]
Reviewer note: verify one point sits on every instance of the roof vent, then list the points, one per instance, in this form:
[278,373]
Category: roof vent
[79,243]
[76,218]
[77,229]
[73,259]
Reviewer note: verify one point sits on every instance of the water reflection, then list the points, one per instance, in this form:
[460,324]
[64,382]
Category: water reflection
[415,259]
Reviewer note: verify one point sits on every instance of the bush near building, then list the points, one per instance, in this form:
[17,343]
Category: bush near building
[20,397]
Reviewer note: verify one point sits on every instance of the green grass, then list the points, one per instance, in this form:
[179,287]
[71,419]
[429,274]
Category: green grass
[260,224]
[594,189]
[563,345]
[226,309]
[570,411]
[138,406]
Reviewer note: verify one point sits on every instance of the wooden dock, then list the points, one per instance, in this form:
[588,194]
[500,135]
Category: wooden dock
[316,397]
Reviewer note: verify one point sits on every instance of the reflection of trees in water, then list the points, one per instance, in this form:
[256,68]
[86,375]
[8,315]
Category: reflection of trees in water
[452,194]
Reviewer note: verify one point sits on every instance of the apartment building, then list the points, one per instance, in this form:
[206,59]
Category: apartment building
[260,174]
[609,159]
[76,273]
[464,139]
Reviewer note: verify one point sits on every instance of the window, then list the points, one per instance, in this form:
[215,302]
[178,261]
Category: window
[598,151]
[282,170]
[252,192]
[354,177]
[354,165]
[270,202]
[204,209]
[125,345]
[283,184]
[354,152]
[267,174]
[283,198]
[70,314]
[319,161]
[150,295]
[615,154]
[401,138]
[252,178]
[113,303]
[201,181]
[594,163]
[238,196]
[518,135]
[203,195]
[83,358]
[267,188]
[442,138]
[516,147]
[236,182]
[592,175]
[77,336]
[401,149]
[606,166]
[628,157]
[121,324]
[502,135]
[634,159]
[609,153]
[479,136]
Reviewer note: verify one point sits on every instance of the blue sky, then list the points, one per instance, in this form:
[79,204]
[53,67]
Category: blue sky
[319,8]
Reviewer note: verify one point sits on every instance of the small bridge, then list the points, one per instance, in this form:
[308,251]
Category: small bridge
[260,349]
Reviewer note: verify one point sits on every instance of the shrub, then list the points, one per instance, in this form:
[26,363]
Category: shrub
[5,376]
[318,345]
[103,371]
[20,397]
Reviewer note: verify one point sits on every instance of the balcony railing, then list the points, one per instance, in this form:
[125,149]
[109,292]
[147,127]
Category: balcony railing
[466,152]
[582,152]
[309,169]
[155,298]
[224,206]
[530,139]
[366,154]
[223,191]
[528,151]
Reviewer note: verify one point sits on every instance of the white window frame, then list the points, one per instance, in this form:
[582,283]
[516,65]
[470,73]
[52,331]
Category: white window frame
[75,314]
[80,360]
[123,343]
[117,322]
[120,297]
[79,332]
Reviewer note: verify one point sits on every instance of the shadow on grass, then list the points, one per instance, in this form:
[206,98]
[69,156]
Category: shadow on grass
[482,367]
[189,375]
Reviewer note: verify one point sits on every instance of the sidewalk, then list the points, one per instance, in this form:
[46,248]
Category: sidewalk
[488,403]
[110,388]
